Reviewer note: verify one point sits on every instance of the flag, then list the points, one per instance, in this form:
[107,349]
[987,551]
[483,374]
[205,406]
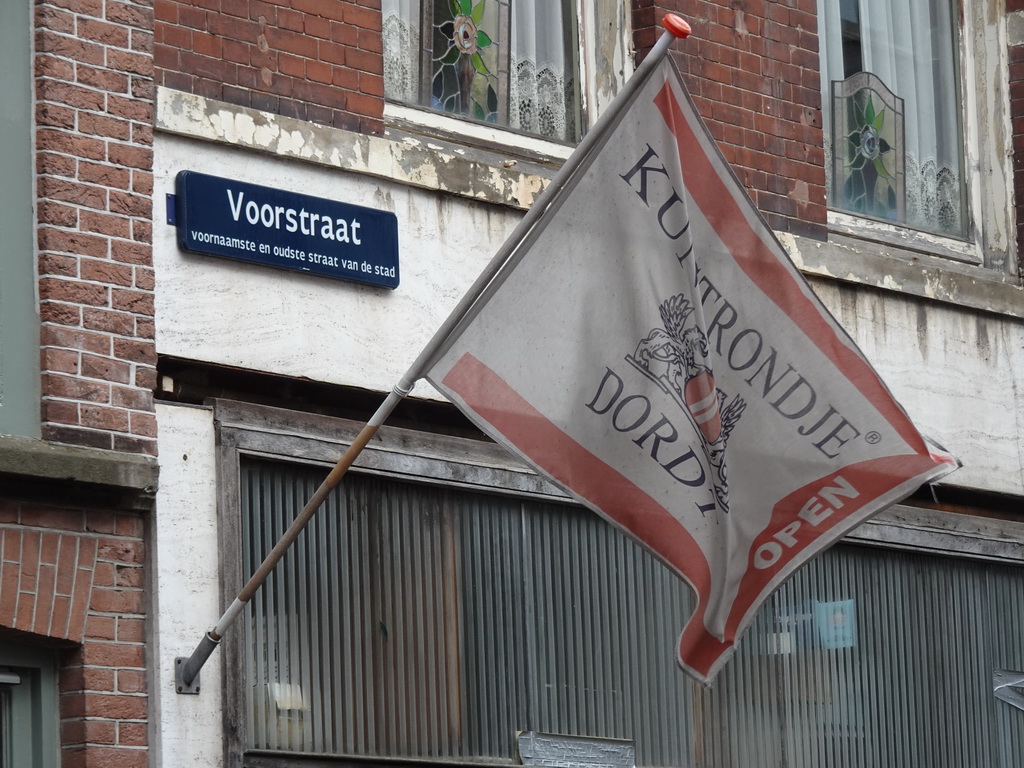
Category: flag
[650,348]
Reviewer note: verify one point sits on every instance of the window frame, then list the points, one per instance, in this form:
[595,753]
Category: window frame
[247,430]
[37,697]
[985,92]
[990,228]
[605,64]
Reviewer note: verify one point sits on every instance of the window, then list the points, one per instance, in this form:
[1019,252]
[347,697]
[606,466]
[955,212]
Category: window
[892,112]
[28,707]
[510,64]
[417,621]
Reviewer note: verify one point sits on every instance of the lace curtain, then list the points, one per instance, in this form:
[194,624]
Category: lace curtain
[912,46]
[401,30]
[541,84]
[535,82]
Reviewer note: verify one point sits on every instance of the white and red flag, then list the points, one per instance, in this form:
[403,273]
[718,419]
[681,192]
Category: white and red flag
[651,348]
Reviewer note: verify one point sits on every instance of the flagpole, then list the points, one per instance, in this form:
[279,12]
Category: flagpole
[187,668]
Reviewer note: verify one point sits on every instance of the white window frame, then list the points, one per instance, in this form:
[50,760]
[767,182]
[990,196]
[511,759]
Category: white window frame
[986,128]
[34,701]
[606,63]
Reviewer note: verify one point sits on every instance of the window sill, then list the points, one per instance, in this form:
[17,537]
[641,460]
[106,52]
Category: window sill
[913,269]
[904,238]
[438,125]
[89,475]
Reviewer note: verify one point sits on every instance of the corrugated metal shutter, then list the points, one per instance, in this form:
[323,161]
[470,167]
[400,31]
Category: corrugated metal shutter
[909,683]
[419,621]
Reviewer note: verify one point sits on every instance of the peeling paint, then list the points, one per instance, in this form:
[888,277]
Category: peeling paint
[922,330]
[891,283]
[788,242]
[799,191]
[984,345]
[988,131]
[383,199]
[609,50]
[606,53]
[429,164]
[1015,28]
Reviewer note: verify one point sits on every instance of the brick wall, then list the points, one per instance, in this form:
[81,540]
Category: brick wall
[752,69]
[94,105]
[75,574]
[317,60]
[1016,55]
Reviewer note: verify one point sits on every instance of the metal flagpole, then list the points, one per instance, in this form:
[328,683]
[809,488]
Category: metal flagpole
[187,668]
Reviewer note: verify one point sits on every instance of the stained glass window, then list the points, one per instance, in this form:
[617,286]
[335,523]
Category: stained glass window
[465,62]
[867,148]
[493,61]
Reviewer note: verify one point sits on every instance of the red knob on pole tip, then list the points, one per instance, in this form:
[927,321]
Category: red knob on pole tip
[677,25]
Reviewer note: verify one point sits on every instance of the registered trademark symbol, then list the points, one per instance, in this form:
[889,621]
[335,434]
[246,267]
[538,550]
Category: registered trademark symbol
[873,438]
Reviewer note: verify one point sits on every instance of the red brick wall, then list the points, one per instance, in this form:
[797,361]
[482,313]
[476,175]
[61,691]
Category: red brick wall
[752,68]
[317,60]
[74,574]
[94,106]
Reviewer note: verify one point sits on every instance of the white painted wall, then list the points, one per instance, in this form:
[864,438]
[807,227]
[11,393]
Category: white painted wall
[186,730]
[295,324]
[958,373]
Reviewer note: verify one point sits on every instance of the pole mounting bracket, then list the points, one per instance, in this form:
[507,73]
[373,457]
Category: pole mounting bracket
[179,678]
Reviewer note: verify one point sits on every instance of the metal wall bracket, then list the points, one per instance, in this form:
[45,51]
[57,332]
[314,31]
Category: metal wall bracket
[179,677]
[1008,686]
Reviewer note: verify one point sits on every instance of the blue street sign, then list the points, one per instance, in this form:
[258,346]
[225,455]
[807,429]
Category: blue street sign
[264,225]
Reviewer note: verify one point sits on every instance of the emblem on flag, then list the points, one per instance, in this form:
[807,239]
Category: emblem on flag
[676,358]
